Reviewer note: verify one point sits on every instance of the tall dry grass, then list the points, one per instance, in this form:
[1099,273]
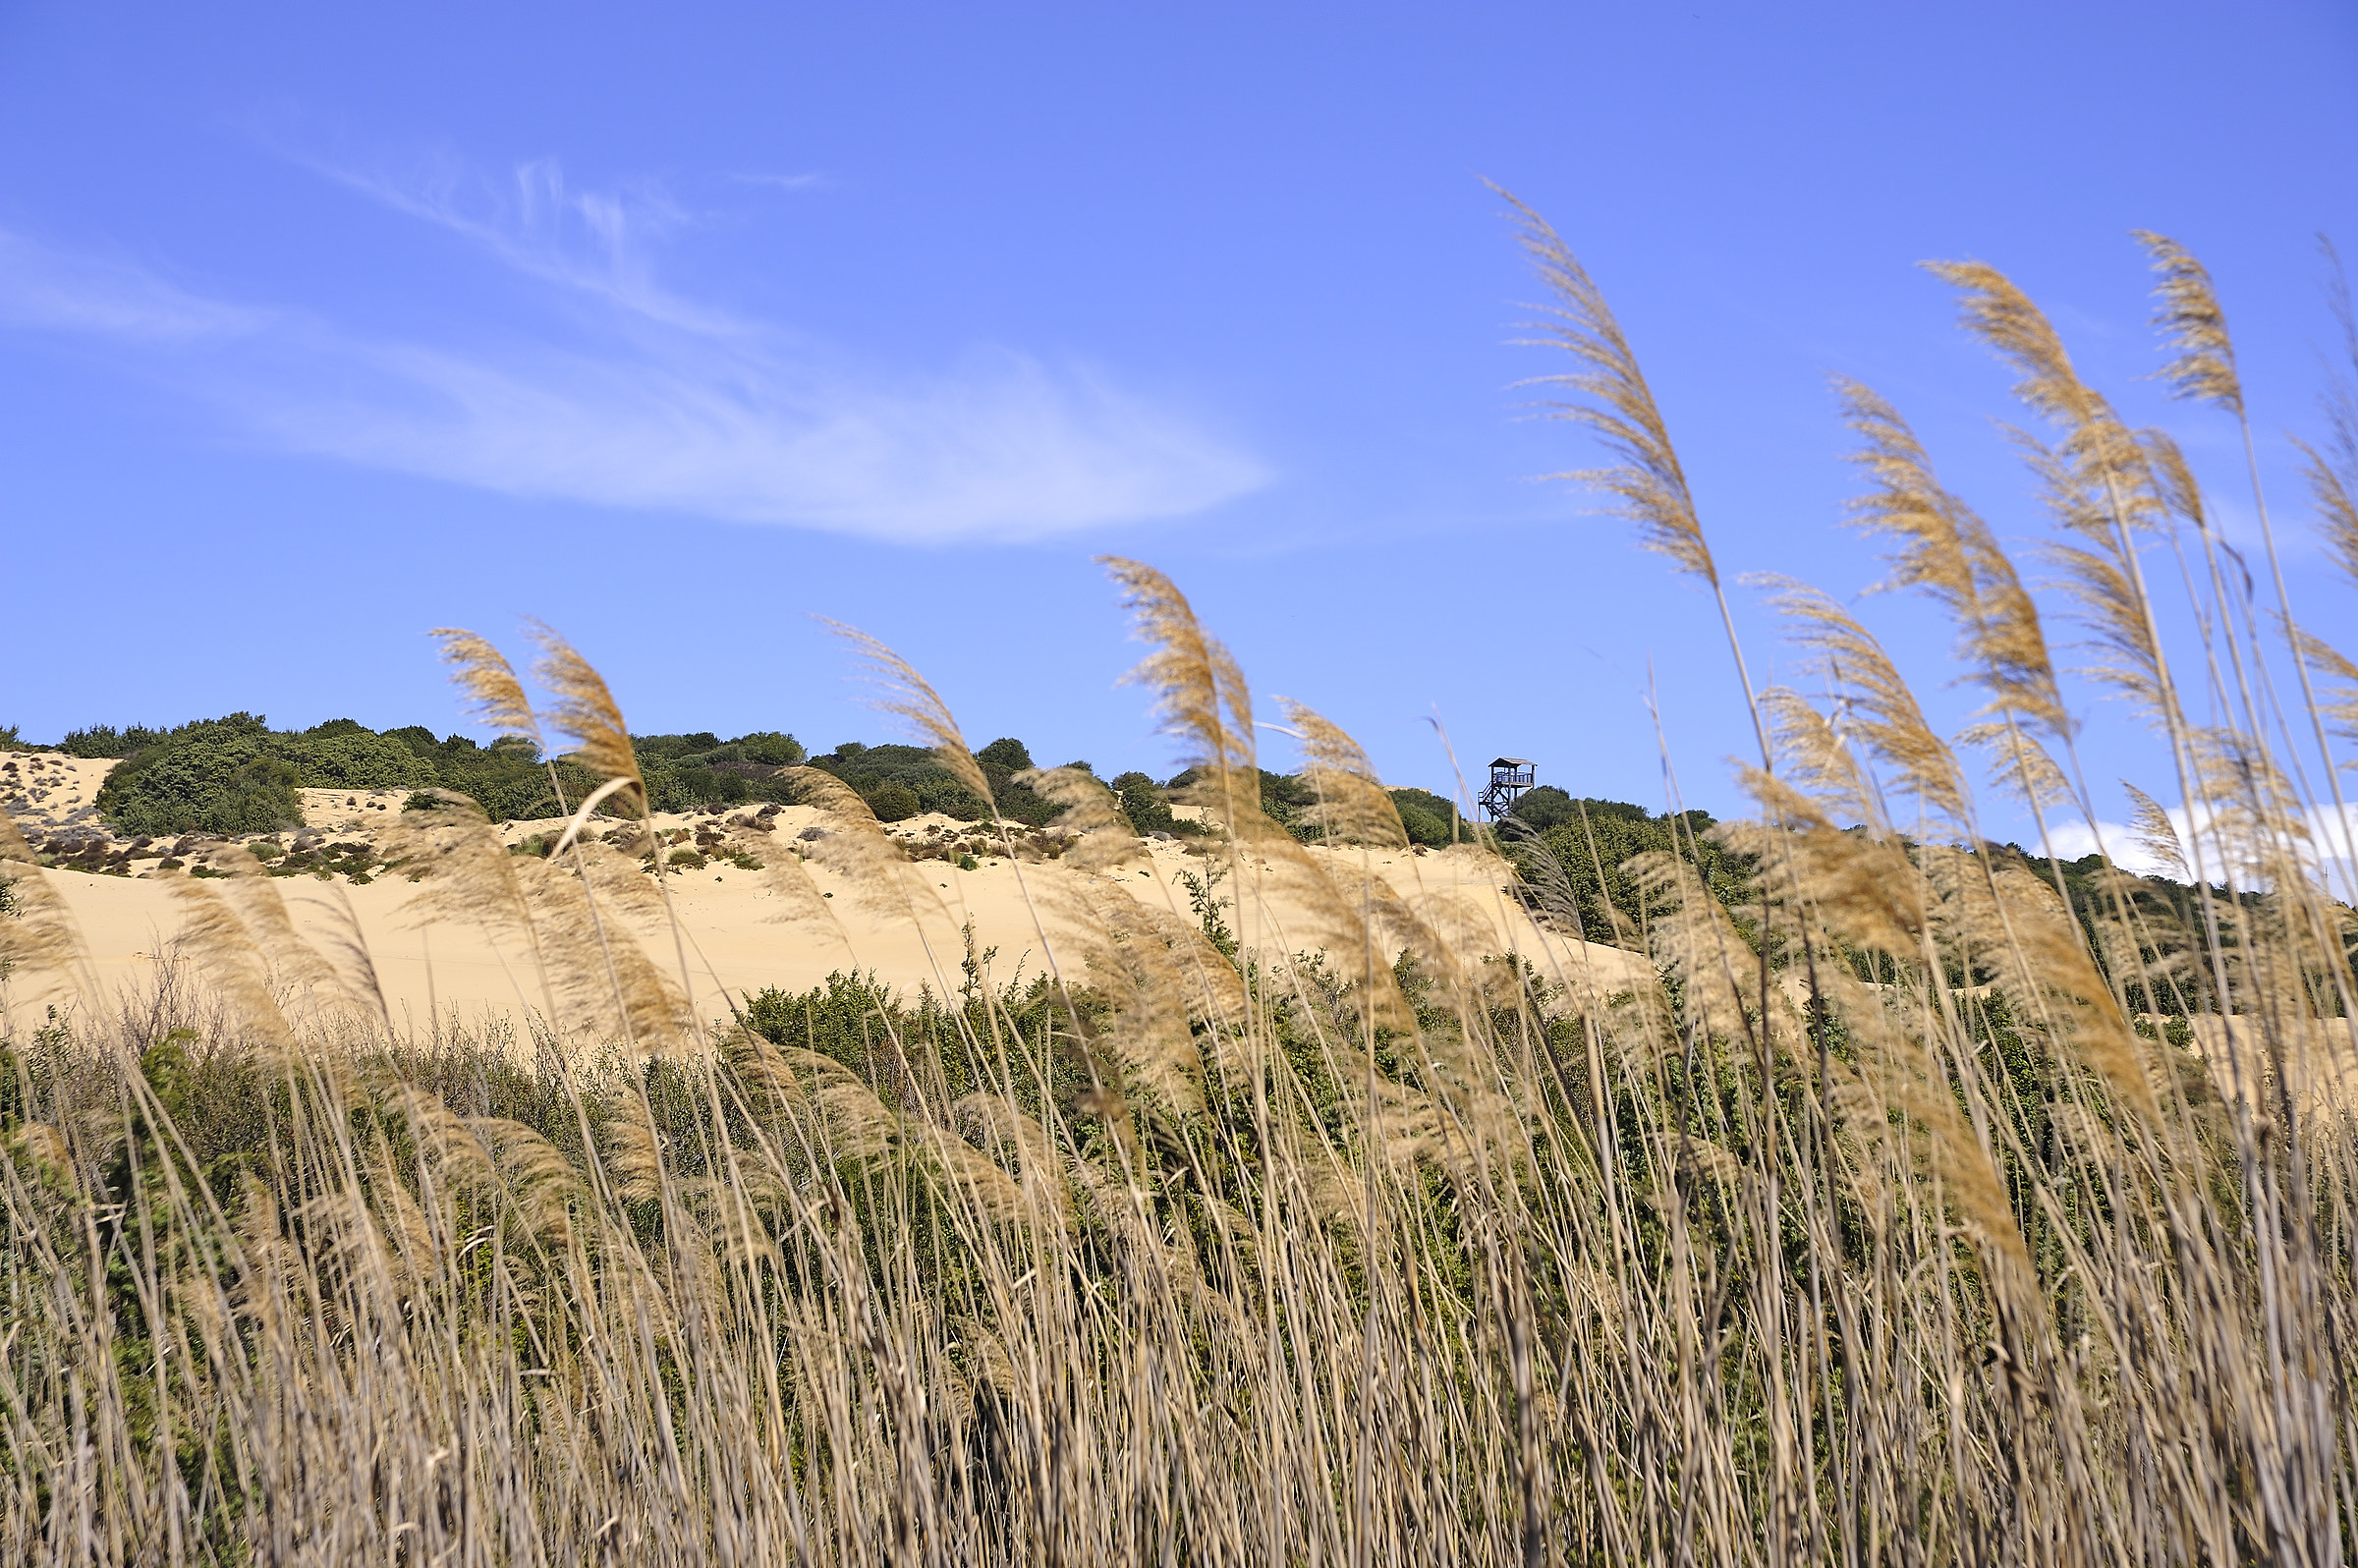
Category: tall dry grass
[1882,1229]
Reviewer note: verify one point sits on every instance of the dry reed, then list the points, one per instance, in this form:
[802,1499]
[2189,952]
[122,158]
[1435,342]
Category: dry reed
[1879,1224]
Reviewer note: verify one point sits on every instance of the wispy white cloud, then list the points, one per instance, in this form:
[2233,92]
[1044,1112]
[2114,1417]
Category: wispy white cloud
[2326,847]
[45,287]
[785,181]
[647,399]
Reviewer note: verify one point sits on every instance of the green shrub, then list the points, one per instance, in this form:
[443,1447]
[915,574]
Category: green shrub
[1429,820]
[1544,808]
[213,776]
[686,788]
[772,749]
[1591,839]
[686,859]
[893,802]
[335,757]
[868,768]
[1143,803]
[105,740]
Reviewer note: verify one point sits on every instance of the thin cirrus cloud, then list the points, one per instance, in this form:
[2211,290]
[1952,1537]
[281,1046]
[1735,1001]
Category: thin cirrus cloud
[655,401]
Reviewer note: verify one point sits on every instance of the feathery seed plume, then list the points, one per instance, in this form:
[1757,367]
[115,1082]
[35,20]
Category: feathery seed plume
[2340,707]
[584,709]
[1106,838]
[1880,708]
[2204,367]
[224,950]
[1950,553]
[797,898]
[292,960]
[855,846]
[604,980]
[1199,691]
[494,694]
[1615,401]
[2003,316]
[39,933]
[1352,806]
[2337,511]
[2153,832]
[909,698]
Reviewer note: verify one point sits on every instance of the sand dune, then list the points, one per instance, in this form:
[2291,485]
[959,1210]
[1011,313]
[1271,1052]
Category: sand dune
[729,933]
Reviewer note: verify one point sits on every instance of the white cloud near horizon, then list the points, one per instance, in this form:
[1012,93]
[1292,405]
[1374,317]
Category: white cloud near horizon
[2327,847]
[653,401]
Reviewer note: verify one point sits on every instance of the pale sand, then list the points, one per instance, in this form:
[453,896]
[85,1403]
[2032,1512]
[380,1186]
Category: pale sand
[732,943]
[48,791]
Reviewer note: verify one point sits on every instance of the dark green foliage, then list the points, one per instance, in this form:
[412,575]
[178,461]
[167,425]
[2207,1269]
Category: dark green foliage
[672,748]
[343,755]
[105,740]
[699,772]
[1007,753]
[212,776]
[915,768]
[771,749]
[1428,819]
[1545,807]
[236,775]
[1145,804]
[1596,838]
[11,741]
[893,802]
[506,778]
[1001,762]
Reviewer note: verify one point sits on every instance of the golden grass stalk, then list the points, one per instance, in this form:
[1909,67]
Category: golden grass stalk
[2190,313]
[1199,694]
[1865,1229]
[1103,838]
[2153,832]
[1878,705]
[1609,394]
[909,698]
[582,707]
[1352,804]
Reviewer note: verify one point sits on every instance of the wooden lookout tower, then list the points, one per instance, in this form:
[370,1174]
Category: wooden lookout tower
[1511,776]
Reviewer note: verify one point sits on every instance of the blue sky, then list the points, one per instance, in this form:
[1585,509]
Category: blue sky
[676,326]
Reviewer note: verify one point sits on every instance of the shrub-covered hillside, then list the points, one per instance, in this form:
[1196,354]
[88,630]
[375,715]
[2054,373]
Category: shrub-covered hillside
[235,775]
[1591,839]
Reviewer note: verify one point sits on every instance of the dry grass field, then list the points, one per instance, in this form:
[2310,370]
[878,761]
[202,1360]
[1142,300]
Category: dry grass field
[1312,1206]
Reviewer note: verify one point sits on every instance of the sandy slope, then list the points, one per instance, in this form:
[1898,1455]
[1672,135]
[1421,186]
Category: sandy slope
[728,931]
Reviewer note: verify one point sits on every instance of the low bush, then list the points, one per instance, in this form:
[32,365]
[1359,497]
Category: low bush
[893,802]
